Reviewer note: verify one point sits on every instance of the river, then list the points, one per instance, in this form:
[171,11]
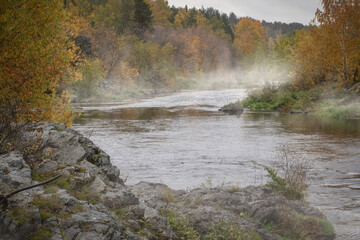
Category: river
[182,140]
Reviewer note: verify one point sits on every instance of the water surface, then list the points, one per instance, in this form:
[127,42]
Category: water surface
[182,140]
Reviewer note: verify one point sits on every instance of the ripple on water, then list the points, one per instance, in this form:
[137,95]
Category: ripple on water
[182,140]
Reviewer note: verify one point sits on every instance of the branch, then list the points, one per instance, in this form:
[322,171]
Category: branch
[32,186]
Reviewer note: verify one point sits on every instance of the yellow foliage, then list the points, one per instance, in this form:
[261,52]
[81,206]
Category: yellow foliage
[249,38]
[36,56]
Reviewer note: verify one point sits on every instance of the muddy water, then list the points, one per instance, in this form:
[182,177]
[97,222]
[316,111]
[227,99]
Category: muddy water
[183,141]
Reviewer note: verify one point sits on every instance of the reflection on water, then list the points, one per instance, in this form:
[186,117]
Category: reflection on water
[182,140]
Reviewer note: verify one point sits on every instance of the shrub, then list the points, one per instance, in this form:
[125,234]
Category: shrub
[290,175]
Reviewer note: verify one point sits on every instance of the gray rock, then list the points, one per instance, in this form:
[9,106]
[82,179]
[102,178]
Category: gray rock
[233,108]
[119,199]
[98,186]
[14,171]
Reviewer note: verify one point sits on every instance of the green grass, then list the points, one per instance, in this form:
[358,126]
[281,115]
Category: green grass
[301,227]
[283,98]
[337,110]
[226,230]
[180,225]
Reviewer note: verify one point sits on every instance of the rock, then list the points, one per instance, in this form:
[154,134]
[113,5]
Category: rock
[19,229]
[119,199]
[202,207]
[14,172]
[142,208]
[233,108]
[98,186]
[46,167]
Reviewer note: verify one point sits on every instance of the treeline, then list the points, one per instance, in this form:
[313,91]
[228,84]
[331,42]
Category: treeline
[329,50]
[150,44]
[325,65]
[119,46]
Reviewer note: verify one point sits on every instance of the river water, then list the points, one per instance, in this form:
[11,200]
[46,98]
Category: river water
[182,140]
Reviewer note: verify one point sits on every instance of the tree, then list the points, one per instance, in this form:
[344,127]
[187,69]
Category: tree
[337,39]
[117,14]
[36,56]
[249,38]
[161,12]
[143,14]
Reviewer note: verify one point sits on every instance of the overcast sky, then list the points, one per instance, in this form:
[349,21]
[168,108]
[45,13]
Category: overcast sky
[302,11]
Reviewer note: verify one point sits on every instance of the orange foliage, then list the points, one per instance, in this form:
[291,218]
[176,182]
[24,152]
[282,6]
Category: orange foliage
[36,55]
[249,38]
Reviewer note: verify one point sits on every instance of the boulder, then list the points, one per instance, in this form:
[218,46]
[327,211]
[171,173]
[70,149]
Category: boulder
[233,108]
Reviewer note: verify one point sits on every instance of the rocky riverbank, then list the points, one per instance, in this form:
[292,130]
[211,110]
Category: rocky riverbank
[91,201]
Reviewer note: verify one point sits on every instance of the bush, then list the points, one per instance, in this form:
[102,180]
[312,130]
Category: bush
[290,176]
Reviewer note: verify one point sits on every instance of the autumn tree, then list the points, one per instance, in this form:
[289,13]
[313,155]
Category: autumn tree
[36,55]
[249,39]
[160,11]
[337,39]
[116,14]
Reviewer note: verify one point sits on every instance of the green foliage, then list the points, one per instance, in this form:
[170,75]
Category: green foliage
[92,73]
[49,206]
[41,234]
[18,215]
[337,110]
[301,227]
[116,14]
[143,14]
[226,230]
[283,97]
[180,225]
[292,181]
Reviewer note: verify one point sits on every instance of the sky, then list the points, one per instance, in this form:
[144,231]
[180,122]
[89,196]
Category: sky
[288,11]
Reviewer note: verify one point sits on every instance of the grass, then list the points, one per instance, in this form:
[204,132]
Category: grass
[337,110]
[19,215]
[84,193]
[41,234]
[283,98]
[180,225]
[301,227]
[49,207]
[226,230]
[327,101]
[168,197]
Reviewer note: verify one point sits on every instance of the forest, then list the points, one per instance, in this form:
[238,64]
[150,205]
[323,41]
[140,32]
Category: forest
[119,49]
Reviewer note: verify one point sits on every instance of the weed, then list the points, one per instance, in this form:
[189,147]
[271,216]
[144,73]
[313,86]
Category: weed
[245,216]
[180,225]
[225,230]
[119,213]
[168,197]
[42,233]
[234,189]
[289,177]
[19,215]
[86,194]
[298,226]
[48,207]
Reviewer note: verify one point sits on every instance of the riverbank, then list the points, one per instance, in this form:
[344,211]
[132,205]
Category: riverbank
[90,200]
[325,100]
